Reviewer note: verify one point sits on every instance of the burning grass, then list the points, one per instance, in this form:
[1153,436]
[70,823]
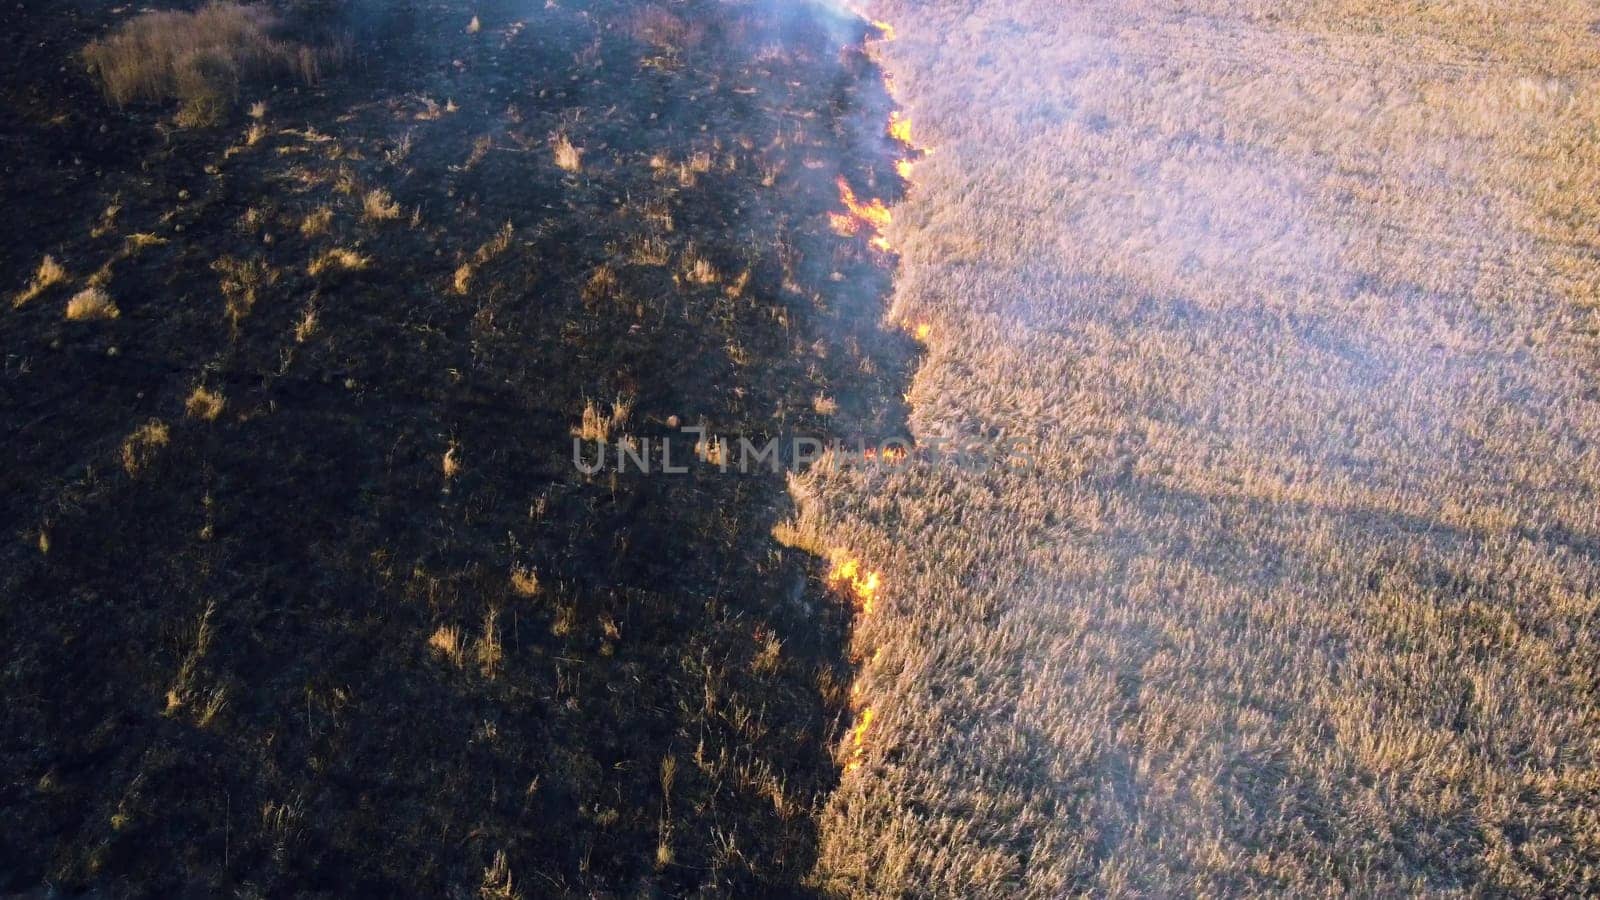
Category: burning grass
[870,217]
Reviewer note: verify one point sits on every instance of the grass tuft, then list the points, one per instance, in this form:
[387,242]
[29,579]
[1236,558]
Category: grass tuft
[91,304]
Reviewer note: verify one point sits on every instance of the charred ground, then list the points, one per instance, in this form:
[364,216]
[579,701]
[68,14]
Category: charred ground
[302,589]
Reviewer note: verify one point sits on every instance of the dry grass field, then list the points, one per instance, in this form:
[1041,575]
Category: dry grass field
[1296,304]
[1289,307]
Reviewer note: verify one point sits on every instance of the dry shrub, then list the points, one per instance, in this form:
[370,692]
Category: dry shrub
[204,405]
[307,324]
[316,222]
[447,642]
[569,158]
[50,274]
[650,251]
[198,58]
[90,304]
[525,581]
[378,206]
[488,649]
[699,270]
[488,251]
[139,449]
[660,28]
[599,427]
[338,259]
[497,877]
[241,282]
[451,463]
[602,284]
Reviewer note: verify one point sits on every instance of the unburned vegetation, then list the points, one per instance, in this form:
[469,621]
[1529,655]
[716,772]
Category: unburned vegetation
[1293,306]
[199,58]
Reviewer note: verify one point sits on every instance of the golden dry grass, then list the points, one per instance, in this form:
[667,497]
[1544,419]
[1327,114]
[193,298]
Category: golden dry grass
[140,448]
[525,581]
[1293,304]
[316,222]
[198,58]
[90,304]
[568,157]
[378,206]
[204,405]
[49,274]
[447,642]
[336,260]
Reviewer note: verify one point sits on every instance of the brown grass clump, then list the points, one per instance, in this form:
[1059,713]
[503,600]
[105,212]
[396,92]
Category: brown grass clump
[447,642]
[450,464]
[654,24]
[306,325]
[600,427]
[204,405]
[50,273]
[339,259]
[198,58]
[462,281]
[569,158]
[489,652]
[699,270]
[316,222]
[90,304]
[139,449]
[378,206]
[525,581]
[497,883]
[602,285]
[241,282]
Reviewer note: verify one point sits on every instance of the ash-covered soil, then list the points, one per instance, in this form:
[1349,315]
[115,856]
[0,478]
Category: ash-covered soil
[302,589]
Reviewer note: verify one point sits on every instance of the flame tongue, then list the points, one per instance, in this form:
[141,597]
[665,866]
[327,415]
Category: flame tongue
[873,212]
[859,739]
[900,128]
[872,215]
[847,574]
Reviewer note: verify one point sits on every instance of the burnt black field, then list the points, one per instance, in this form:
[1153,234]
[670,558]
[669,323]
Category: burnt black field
[365,628]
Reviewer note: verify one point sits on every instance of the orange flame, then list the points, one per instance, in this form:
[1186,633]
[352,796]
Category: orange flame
[847,573]
[904,167]
[900,128]
[862,725]
[884,29]
[858,740]
[873,214]
[923,330]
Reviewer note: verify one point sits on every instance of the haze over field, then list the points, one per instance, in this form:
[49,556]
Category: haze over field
[1297,303]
